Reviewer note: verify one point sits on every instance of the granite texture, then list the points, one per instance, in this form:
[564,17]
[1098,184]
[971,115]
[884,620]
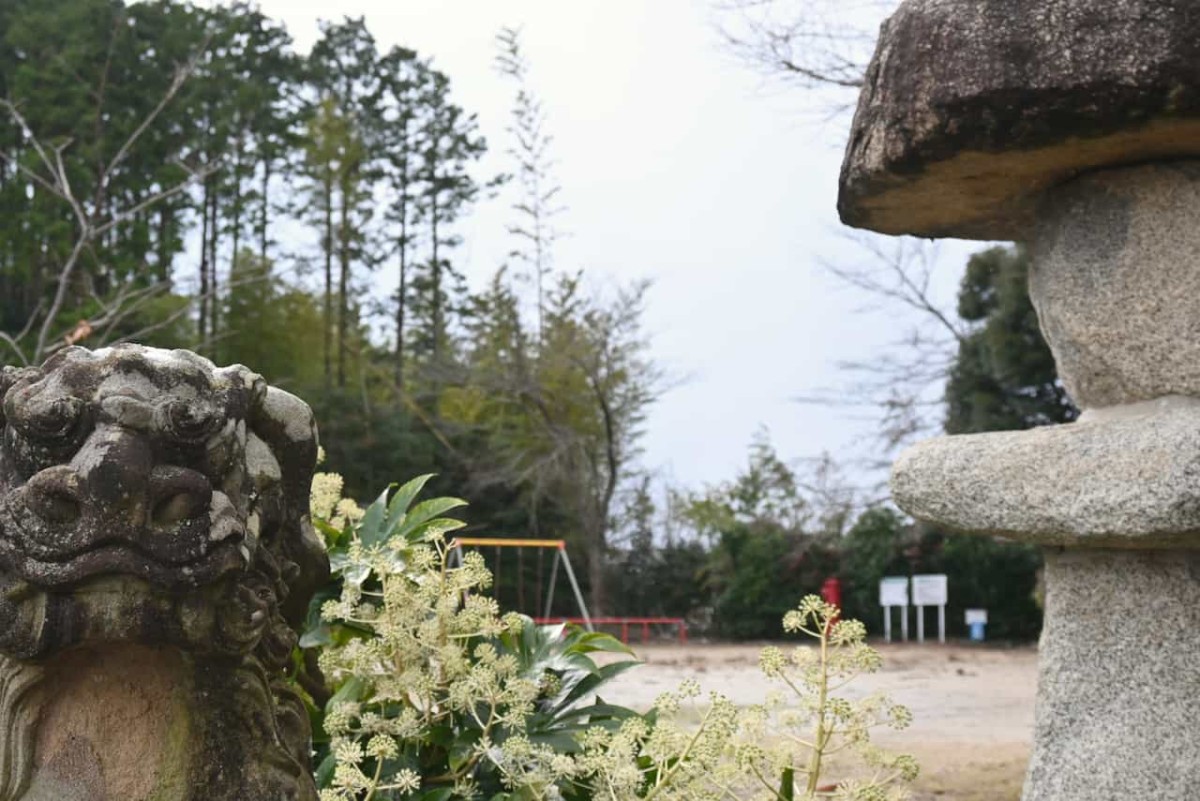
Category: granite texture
[1126,477]
[1118,705]
[1116,282]
[972,108]
[156,561]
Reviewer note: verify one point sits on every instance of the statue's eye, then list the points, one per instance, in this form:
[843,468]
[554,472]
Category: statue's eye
[188,422]
[53,421]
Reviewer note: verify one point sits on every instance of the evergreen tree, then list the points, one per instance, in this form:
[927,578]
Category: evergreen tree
[406,83]
[257,75]
[1004,377]
[344,68]
[449,144]
[566,432]
[537,420]
[273,326]
[763,534]
[327,135]
[90,144]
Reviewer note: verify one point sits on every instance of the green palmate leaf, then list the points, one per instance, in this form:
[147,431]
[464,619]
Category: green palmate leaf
[575,723]
[563,741]
[316,636]
[591,641]
[326,593]
[462,750]
[434,529]
[372,529]
[436,794]
[592,682]
[596,712]
[534,643]
[324,772]
[333,535]
[338,562]
[404,498]
[441,736]
[425,512]
[342,566]
[600,709]
[356,574]
[350,692]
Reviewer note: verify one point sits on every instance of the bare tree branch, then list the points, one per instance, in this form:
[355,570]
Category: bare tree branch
[60,296]
[90,224]
[12,343]
[194,176]
[812,43]
[903,381]
[901,274]
[177,81]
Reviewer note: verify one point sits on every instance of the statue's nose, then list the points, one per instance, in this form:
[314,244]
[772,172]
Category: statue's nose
[108,479]
[113,480]
[114,470]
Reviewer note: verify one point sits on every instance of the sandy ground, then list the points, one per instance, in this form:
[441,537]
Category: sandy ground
[972,706]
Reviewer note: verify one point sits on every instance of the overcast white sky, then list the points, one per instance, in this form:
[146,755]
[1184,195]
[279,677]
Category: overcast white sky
[676,166]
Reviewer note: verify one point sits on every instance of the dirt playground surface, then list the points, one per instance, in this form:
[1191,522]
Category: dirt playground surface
[972,706]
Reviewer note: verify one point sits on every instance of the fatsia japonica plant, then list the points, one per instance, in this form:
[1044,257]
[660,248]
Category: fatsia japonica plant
[434,694]
[437,694]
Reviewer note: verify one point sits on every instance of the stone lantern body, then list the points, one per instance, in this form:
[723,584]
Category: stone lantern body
[1072,126]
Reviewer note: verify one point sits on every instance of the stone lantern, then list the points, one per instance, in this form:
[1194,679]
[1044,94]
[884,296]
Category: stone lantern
[1072,126]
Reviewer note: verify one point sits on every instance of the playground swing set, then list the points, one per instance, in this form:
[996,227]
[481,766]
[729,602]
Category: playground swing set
[559,559]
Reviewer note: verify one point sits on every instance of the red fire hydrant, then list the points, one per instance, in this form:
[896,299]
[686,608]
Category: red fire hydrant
[831,593]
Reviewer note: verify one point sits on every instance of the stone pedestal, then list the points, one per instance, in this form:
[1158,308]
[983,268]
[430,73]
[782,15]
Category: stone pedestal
[156,558]
[1118,706]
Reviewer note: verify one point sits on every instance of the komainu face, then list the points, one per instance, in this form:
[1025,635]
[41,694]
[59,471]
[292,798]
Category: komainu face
[149,496]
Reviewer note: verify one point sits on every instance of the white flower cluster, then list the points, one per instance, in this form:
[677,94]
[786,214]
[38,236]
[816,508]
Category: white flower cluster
[326,501]
[749,754]
[797,731]
[419,663]
[416,668]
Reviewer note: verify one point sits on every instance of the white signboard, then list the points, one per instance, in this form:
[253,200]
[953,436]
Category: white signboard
[929,590]
[893,591]
[976,616]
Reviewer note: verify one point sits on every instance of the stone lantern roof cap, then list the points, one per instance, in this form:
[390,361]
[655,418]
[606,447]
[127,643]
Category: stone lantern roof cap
[972,108]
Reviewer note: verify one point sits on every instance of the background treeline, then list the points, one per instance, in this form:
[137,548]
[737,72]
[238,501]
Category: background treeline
[748,546]
[183,177]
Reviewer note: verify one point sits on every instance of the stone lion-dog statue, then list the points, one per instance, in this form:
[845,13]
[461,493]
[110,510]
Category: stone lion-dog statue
[156,562]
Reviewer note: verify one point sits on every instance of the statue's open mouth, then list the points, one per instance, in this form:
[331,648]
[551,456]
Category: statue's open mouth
[222,559]
[186,553]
